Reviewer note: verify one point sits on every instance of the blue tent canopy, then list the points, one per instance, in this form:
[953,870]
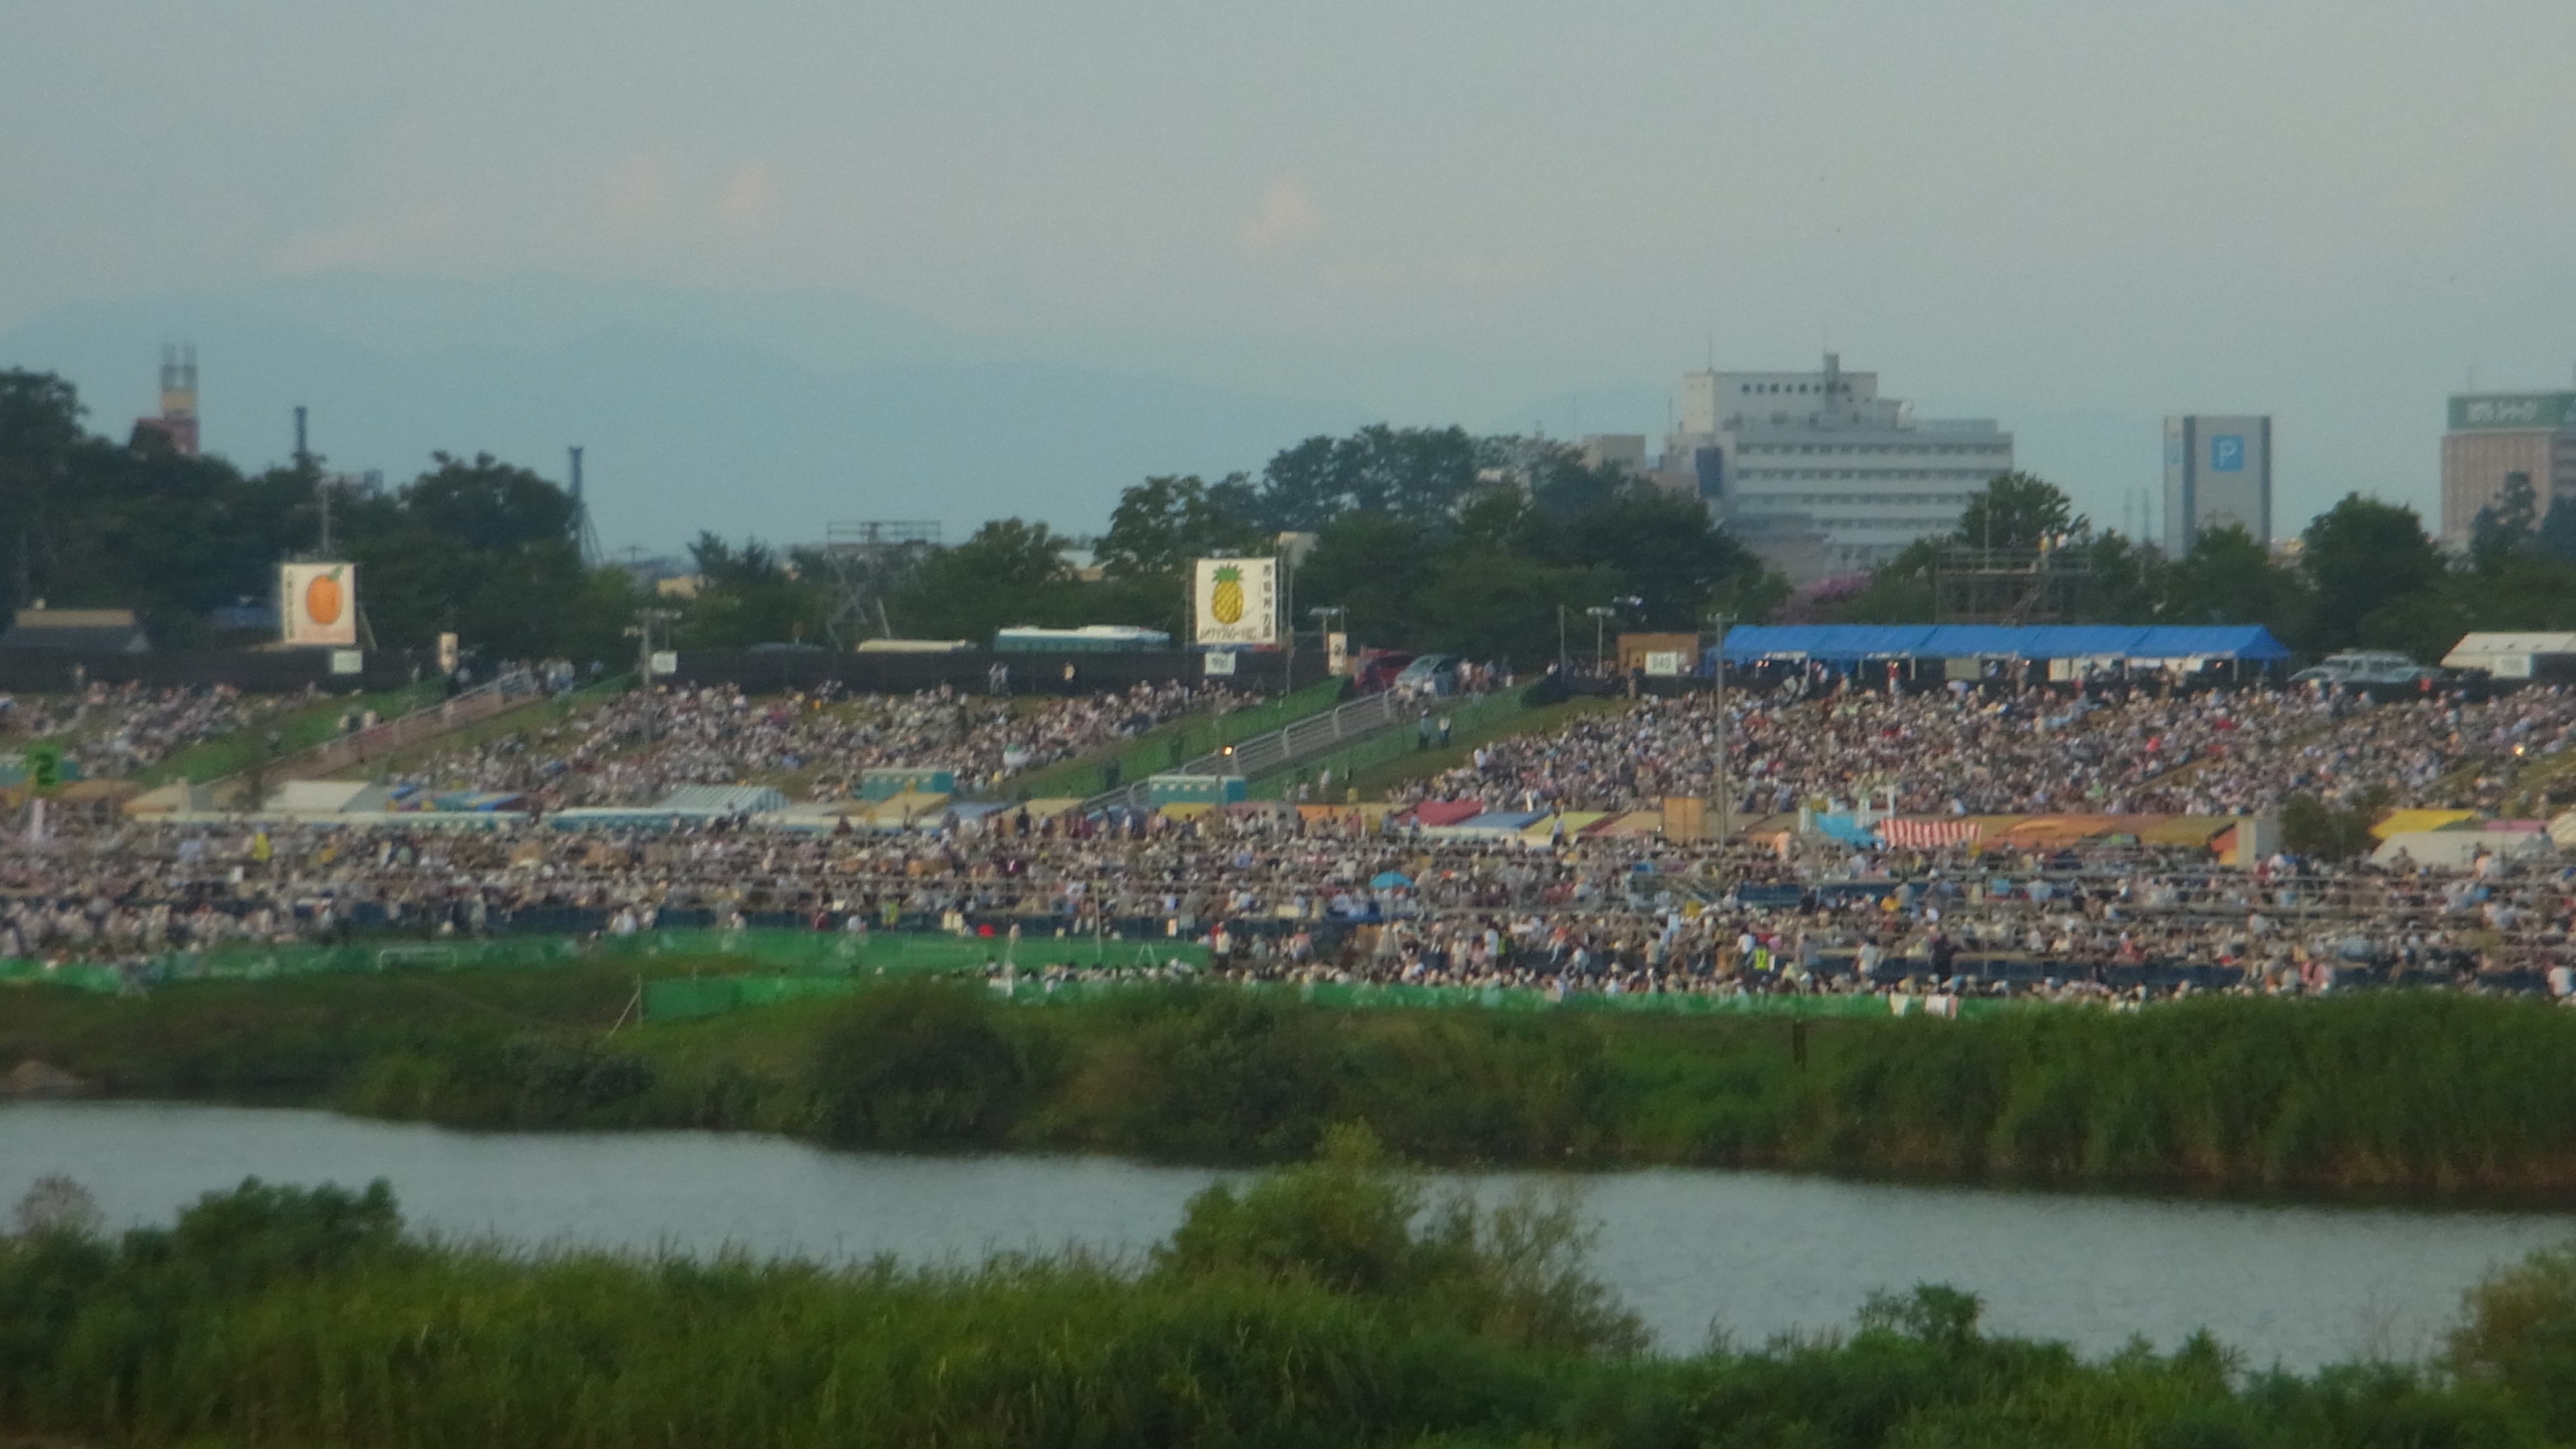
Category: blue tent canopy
[1846,643]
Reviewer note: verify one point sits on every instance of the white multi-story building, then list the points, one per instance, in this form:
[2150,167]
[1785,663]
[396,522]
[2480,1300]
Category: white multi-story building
[1822,475]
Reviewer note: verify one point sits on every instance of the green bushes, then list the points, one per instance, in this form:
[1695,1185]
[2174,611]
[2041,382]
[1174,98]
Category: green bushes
[1324,1305]
[919,1064]
[2430,1093]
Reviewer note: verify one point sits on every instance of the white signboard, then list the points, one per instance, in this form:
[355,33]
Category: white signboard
[1337,652]
[348,661]
[664,661]
[1663,663]
[1235,601]
[1220,662]
[317,603]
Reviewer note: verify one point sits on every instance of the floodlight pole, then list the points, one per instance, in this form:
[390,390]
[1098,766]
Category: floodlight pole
[1725,794]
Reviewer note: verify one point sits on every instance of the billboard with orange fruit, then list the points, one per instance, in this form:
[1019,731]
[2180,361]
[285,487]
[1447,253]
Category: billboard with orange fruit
[317,603]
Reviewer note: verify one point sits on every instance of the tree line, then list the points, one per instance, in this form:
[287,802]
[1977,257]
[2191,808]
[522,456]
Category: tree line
[2363,574]
[1427,538]
[473,545]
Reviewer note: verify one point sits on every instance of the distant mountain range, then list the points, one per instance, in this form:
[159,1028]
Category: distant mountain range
[774,414]
[770,416]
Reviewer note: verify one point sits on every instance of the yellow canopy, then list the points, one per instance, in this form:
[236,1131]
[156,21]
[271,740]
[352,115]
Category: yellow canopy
[2405,822]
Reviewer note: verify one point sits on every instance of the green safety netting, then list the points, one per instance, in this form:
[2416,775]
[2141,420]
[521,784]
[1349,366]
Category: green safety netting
[767,967]
[707,996]
[767,951]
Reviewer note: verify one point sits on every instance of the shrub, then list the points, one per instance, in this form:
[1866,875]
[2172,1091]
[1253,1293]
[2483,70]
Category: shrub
[1216,1075]
[916,1064]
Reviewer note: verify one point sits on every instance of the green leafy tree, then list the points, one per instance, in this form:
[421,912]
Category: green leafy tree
[1663,549]
[2318,831]
[2229,577]
[1492,605]
[2017,511]
[476,546]
[137,525]
[2556,536]
[2372,567]
[1010,571]
[1162,523]
[1374,565]
[1159,526]
[748,595]
[1415,473]
[2503,528]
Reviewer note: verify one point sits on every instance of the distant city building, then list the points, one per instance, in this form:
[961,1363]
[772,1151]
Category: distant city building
[178,419]
[1615,450]
[2218,472]
[2496,436]
[1819,473]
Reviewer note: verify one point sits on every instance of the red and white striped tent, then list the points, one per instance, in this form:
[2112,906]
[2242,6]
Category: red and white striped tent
[1927,834]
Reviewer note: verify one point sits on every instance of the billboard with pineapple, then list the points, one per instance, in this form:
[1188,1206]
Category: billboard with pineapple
[1235,601]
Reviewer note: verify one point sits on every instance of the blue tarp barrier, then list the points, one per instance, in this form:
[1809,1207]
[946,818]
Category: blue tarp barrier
[1843,643]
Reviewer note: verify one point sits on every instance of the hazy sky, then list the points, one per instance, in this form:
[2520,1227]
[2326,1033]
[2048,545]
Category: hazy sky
[1436,211]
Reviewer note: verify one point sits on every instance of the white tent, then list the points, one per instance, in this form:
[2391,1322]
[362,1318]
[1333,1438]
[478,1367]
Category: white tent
[2459,849]
[2507,656]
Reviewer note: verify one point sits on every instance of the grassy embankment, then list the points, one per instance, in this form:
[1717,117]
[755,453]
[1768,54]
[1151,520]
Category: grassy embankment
[2419,1094]
[1333,1304]
[298,729]
[1169,744]
[1374,781]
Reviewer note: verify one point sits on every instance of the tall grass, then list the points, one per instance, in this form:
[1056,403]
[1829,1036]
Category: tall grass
[2425,1094]
[1327,1305]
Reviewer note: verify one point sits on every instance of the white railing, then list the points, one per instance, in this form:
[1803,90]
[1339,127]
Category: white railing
[377,741]
[1314,735]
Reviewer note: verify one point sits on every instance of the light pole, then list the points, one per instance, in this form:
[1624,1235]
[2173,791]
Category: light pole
[645,619]
[1600,634]
[1725,794]
[1319,614]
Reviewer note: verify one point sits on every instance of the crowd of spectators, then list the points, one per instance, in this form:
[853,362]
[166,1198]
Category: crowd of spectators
[114,730]
[640,746]
[2030,752]
[1335,893]
[1320,897]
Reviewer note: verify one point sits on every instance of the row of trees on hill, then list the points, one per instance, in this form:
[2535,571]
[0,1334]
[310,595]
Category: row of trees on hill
[475,545]
[2365,574]
[1425,537]
[1429,538]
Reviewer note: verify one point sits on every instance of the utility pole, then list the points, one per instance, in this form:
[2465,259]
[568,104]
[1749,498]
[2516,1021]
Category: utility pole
[1725,792]
[645,619]
[321,484]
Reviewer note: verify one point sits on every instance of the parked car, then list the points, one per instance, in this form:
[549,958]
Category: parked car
[1430,674]
[1376,669]
[2370,668]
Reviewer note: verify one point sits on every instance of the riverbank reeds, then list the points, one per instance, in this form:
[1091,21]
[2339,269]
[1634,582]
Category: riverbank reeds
[2426,1094]
[1329,1304]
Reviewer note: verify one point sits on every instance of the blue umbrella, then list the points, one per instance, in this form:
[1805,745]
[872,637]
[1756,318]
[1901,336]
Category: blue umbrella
[1386,878]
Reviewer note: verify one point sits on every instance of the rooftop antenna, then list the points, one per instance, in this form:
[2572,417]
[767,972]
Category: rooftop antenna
[178,420]
[585,536]
[323,484]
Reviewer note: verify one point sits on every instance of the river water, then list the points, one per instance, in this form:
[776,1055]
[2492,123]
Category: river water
[1753,1253]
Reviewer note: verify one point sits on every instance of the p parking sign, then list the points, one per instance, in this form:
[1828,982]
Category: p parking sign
[2227,453]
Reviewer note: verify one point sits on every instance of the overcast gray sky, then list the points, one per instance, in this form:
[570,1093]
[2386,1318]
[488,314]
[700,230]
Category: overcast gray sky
[1437,211]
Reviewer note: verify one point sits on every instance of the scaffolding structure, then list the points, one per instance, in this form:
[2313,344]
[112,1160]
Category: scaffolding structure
[2009,585]
[866,560]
